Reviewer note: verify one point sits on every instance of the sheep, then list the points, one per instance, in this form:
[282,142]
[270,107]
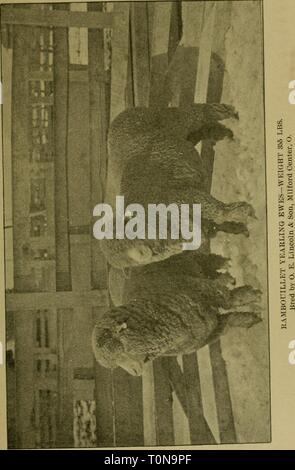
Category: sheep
[155,151]
[170,308]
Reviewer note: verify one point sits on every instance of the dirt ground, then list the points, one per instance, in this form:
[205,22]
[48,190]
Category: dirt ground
[239,174]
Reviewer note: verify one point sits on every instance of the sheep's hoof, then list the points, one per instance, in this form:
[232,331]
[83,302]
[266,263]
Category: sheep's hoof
[240,212]
[243,319]
[245,295]
[226,111]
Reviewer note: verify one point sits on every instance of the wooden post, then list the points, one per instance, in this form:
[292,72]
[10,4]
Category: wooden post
[62,18]
[120,49]
[140,52]
[24,360]
[98,126]
[24,400]
[65,418]
[159,52]
[163,403]
[128,414]
[65,436]
[60,116]
[200,432]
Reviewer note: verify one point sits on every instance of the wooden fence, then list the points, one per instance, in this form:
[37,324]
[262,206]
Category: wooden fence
[58,297]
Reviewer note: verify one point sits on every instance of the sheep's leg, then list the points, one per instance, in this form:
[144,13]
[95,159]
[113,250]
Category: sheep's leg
[213,132]
[244,295]
[209,263]
[241,319]
[189,120]
[211,229]
[224,279]
[233,320]
[218,212]
[210,112]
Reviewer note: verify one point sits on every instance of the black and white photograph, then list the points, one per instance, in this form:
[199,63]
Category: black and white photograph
[119,333]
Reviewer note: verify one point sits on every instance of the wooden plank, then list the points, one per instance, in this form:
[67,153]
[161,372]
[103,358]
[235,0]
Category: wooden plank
[120,47]
[222,395]
[149,412]
[24,373]
[159,52]
[84,389]
[200,432]
[98,128]
[84,373]
[105,408]
[206,41]
[119,71]
[216,72]
[60,119]
[139,96]
[188,53]
[220,24]
[20,151]
[65,419]
[63,19]
[177,381]
[200,95]
[98,125]
[161,400]
[75,75]
[163,403]
[68,299]
[24,362]
[80,216]
[128,413]
[175,32]
[186,384]
[128,409]
[140,52]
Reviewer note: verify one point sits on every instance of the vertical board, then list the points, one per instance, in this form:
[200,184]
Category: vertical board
[140,49]
[24,357]
[184,70]
[60,120]
[163,403]
[20,151]
[65,418]
[128,414]
[219,373]
[199,430]
[159,52]
[140,52]
[79,171]
[225,416]
[128,409]
[119,73]
[149,411]
[120,41]
[98,126]
[200,96]
[24,360]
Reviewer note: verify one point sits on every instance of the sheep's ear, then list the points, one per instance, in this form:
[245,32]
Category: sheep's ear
[141,255]
[148,358]
[127,273]
[121,327]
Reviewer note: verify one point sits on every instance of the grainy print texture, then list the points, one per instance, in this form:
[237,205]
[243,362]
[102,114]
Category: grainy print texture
[134,343]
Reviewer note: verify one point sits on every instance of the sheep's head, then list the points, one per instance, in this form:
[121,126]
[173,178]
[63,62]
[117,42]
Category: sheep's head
[110,346]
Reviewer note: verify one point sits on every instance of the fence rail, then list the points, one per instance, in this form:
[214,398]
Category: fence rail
[58,18]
